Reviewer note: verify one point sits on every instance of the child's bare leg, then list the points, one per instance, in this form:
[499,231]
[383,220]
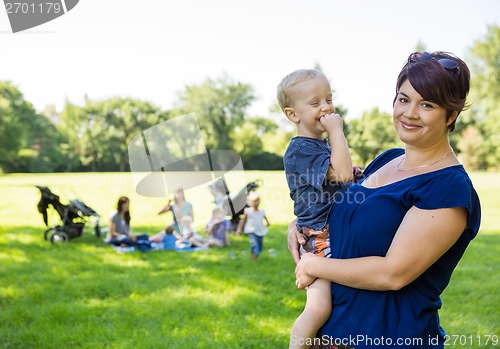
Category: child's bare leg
[197,243]
[317,310]
[157,237]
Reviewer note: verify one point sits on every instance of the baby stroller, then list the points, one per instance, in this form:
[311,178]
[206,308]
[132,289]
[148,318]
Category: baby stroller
[73,216]
[232,205]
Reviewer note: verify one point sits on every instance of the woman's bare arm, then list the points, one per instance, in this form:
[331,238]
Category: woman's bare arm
[112,228]
[422,238]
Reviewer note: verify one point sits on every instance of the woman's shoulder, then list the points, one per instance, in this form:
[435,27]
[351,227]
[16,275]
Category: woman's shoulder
[452,176]
[445,188]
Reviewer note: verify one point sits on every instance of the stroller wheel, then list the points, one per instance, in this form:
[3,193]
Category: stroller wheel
[59,237]
[97,231]
[49,232]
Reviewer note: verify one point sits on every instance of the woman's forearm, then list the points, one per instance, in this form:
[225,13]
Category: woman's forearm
[422,238]
[370,273]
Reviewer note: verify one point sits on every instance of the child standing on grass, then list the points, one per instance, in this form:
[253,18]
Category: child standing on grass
[314,171]
[254,223]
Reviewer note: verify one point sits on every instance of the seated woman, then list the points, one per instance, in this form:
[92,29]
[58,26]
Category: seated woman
[120,233]
[179,209]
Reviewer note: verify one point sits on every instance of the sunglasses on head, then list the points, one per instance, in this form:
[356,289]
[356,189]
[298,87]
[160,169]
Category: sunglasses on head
[446,63]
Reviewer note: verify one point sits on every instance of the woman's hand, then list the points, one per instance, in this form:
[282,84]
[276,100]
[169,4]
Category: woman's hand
[167,208]
[303,278]
[295,239]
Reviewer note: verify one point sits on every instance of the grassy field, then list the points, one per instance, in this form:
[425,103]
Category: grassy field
[85,295]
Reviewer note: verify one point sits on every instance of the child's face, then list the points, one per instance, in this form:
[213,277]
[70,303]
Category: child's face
[312,99]
[253,203]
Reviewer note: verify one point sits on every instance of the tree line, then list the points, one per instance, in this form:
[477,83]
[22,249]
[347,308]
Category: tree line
[95,136]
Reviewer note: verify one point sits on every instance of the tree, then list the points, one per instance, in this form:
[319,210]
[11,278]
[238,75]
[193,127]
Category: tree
[15,112]
[472,150]
[71,123]
[220,106]
[485,91]
[420,47]
[371,135]
[97,135]
[29,141]
[105,128]
[249,141]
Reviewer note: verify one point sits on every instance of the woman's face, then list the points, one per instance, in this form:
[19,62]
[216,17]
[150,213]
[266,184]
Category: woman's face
[419,122]
[179,194]
[125,206]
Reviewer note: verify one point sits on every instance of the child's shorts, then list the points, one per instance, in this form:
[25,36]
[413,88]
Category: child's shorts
[317,242]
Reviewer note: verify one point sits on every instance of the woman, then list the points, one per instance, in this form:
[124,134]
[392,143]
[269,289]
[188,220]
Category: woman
[398,233]
[179,208]
[119,225]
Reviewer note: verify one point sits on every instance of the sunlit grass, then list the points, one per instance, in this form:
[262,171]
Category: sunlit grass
[86,295]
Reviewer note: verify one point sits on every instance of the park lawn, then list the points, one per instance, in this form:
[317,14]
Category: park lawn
[85,295]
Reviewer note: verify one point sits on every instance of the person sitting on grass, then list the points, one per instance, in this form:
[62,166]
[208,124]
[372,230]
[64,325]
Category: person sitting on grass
[218,228]
[120,231]
[189,235]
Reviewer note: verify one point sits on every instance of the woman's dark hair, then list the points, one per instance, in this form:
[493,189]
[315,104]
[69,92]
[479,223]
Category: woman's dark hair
[121,201]
[439,77]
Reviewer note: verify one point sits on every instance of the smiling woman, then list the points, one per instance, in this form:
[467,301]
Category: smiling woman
[426,212]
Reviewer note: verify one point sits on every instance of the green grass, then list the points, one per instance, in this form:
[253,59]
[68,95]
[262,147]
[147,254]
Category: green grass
[85,295]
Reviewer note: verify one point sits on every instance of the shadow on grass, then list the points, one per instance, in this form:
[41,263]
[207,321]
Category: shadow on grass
[84,294]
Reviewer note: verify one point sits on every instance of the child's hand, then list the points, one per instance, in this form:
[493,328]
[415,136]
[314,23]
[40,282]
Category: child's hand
[357,173]
[331,122]
[304,279]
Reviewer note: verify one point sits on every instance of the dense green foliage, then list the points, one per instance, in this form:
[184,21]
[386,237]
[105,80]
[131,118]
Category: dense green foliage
[485,92]
[95,136]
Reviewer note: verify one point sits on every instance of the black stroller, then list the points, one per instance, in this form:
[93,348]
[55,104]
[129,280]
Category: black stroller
[233,205]
[73,216]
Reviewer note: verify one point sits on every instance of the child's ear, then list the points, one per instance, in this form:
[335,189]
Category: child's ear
[290,114]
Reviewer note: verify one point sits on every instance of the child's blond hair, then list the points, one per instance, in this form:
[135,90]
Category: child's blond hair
[293,79]
[253,199]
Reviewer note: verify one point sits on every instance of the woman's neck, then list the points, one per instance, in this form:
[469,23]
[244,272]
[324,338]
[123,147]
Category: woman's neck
[415,156]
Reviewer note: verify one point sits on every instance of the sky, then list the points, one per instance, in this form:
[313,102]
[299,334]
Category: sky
[152,49]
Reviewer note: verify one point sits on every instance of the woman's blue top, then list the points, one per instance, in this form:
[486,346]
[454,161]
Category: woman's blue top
[363,222]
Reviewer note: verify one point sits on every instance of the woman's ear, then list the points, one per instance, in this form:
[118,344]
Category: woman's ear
[290,114]
[452,118]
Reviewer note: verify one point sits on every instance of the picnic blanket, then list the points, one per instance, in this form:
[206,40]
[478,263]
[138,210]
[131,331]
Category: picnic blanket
[167,243]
